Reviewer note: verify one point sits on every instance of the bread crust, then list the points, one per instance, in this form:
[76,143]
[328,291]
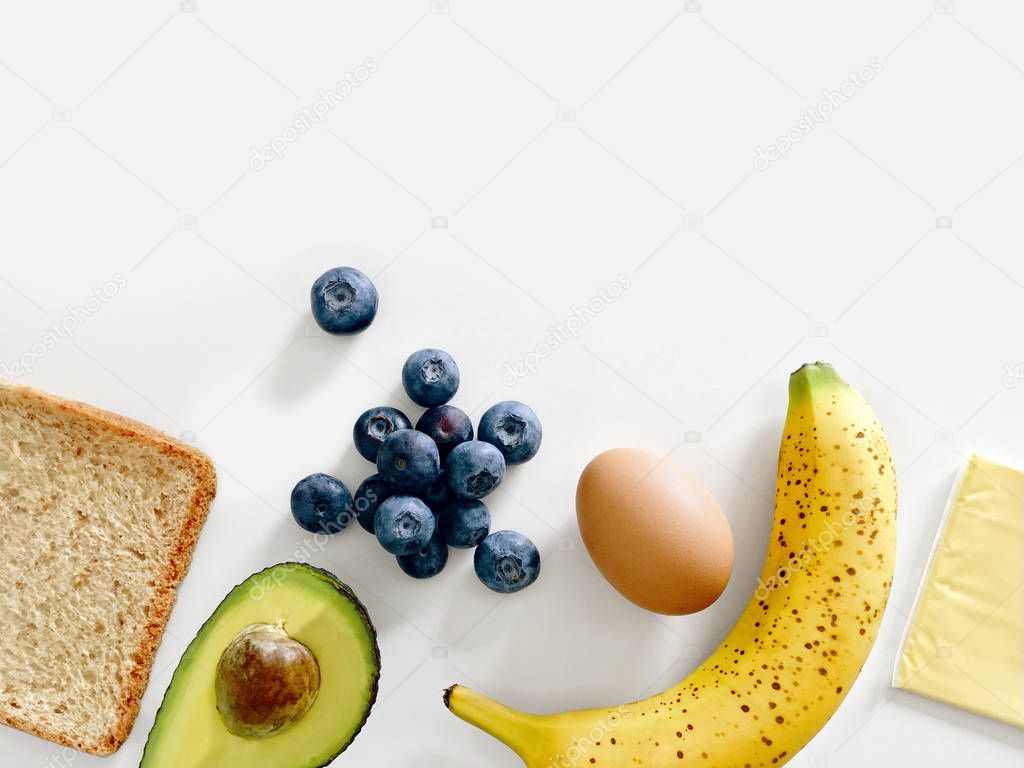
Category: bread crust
[166,591]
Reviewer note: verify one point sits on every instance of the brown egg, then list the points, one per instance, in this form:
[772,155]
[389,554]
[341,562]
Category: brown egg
[656,534]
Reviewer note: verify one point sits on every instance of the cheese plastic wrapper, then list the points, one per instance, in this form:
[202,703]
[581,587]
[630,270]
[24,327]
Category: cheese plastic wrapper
[965,642]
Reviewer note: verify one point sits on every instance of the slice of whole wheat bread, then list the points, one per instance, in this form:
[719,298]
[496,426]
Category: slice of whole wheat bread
[99,516]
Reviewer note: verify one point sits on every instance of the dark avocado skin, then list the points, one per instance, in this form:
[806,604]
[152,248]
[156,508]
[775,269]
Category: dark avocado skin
[341,588]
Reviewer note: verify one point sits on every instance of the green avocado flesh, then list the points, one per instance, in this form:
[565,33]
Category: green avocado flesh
[313,608]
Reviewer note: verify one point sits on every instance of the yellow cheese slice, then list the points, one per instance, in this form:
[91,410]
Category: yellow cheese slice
[965,643]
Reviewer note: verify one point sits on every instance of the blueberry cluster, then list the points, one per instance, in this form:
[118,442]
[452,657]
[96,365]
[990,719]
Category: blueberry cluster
[426,494]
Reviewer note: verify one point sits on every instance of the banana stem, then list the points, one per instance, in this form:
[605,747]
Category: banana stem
[517,730]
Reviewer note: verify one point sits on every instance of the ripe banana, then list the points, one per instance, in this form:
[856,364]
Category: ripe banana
[801,641]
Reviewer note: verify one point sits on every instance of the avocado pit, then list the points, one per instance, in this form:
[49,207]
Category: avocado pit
[266,682]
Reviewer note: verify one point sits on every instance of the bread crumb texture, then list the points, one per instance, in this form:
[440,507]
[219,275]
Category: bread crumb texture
[98,519]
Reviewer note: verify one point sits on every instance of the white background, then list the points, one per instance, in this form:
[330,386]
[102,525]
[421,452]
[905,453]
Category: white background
[564,145]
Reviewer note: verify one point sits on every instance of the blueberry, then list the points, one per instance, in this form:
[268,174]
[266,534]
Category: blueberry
[437,495]
[514,429]
[447,426]
[373,426]
[409,461]
[428,561]
[321,504]
[344,300]
[507,561]
[372,492]
[430,377]
[464,523]
[403,525]
[474,469]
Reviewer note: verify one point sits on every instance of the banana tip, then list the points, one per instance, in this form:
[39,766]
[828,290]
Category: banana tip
[813,377]
[818,364]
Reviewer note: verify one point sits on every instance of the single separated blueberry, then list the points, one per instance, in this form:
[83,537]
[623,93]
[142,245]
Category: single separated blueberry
[321,504]
[430,377]
[403,525]
[474,469]
[344,300]
[464,523]
[373,426]
[408,460]
[513,428]
[507,561]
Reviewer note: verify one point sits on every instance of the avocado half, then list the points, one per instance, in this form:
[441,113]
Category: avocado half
[317,610]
